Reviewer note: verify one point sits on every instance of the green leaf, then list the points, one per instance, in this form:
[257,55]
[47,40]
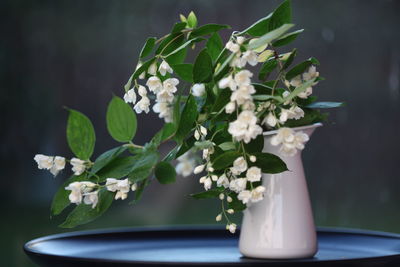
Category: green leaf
[143,165]
[225,160]
[258,28]
[183,46]
[287,38]
[139,191]
[266,69]
[213,193]
[255,145]
[184,71]
[203,68]
[299,89]
[178,27]
[326,105]
[121,120]
[214,46]
[207,29]
[172,42]
[117,168]
[167,131]
[143,68]
[61,199]
[236,204]
[281,15]
[270,36]
[165,173]
[300,68]
[105,158]
[269,163]
[191,20]
[220,72]
[186,146]
[148,46]
[290,59]
[227,146]
[84,213]
[267,97]
[188,117]
[203,144]
[80,135]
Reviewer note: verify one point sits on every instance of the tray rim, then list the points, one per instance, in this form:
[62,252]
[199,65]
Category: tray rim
[30,251]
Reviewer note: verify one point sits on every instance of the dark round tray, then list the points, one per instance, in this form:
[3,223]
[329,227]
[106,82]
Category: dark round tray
[203,247]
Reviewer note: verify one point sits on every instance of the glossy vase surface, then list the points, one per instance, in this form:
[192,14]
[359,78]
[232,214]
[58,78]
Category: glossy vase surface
[281,226]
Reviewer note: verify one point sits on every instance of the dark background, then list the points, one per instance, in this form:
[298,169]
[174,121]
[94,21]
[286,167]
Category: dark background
[78,53]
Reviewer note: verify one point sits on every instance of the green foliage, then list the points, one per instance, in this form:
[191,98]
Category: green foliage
[225,160]
[80,135]
[188,117]
[165,173]
[184,71]
[105,158]
[299,89]
[270,36]
[287,38]
[311,116]
[256,145]
[207,29]
[269,163]
[300,68]
[121,120]
[267,68]
[143,165]
[148,47]
[192,20]
[214,46]
[202,69]
[85,213]
[212,193]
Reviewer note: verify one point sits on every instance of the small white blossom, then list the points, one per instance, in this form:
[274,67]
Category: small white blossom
[239,166]
[207,182]
[230,211]
[91,198]
[198,89]
[197,135]
[164,68]
[243,94]
[130,96]
[122,187]
[243,77]
[170,85]
[58,165]
[311,74]
[253,158]
[248,105]
[244,196]
[43,161]
[245,127]
[79,190]
[270,120]
[78,166]
[253,174]
[231,227]
[257,194]
[142,91]
[154,84]
[199,169]
[165,111]
[290,141]
[229,199]
[203,130]
[226,82]
[214,178]
[221,196]
[143,105]
[218,218]
[296,113]
[296,81]
[238,185]
[165,96]
[186,165]
[305,94]
[249,57]
[230,107]
[231,46]
[152,70]
[240,39]
[223,181]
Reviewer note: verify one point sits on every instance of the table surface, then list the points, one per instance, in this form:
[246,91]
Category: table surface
[203,247]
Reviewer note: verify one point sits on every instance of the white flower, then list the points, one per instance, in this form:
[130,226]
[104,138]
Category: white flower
[207,182]
[270,120]
[311,74]
[305,93]
[230,107]
[130,96]
[296,113]
[231,227]
[203,130]
[223,181]
[165,96]
[257,194]
[78,190]
[253,158]
[240,39]
[43,162]
[143,74]
[289,140]
[58,165]
[230,211]
[244,196]
[238,185]
[243,77]
[221,196]
[164,68]
[199,169]
[231,46]
[248,105]
[253,174]
[142,91]
[249,57]
[218,218]
[226,82]
[122,187]
[134,187]
[186,165]
[245,127]
[243,94]
[296,81]
[78,166]
[197,134]
[170,85]
[154,84]
[229,199]
[239,166]
[198,89]
[91,198]
[143,105]
[207,152]
[152,69]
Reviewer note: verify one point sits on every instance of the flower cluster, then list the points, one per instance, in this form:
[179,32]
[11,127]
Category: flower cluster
[121,187]
[55,164]
[83,190]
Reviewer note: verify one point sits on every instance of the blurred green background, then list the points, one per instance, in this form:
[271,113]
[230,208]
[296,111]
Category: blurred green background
[78,53]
